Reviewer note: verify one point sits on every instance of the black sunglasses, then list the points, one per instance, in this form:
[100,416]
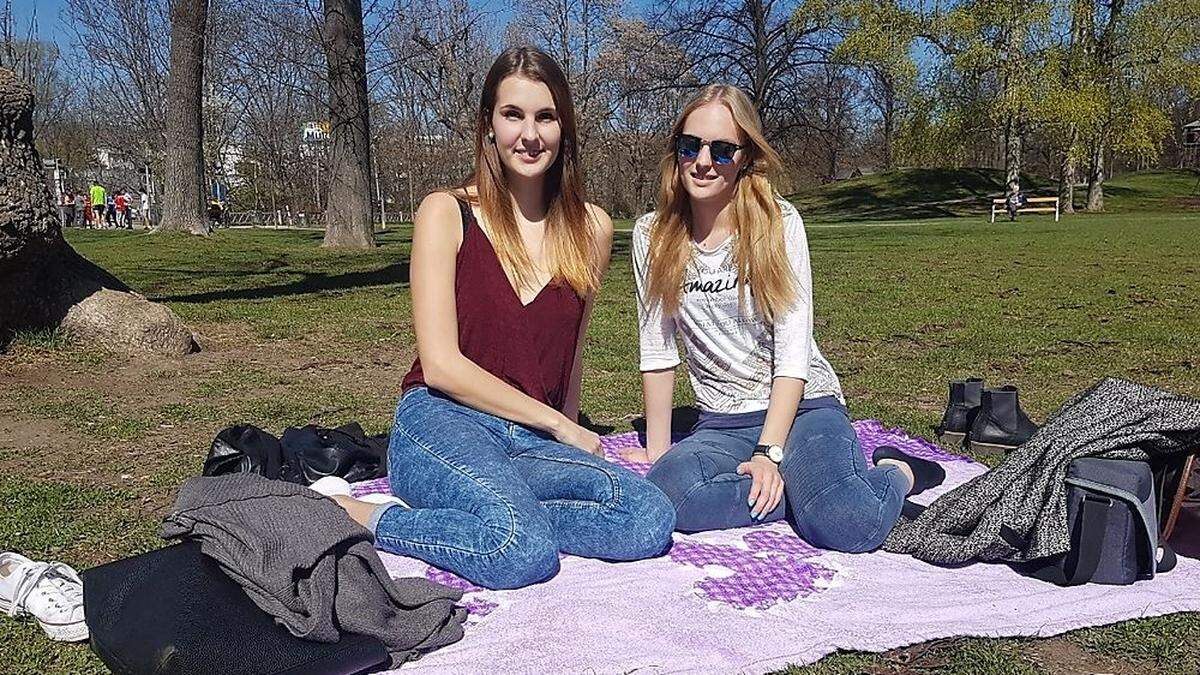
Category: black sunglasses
[688,147]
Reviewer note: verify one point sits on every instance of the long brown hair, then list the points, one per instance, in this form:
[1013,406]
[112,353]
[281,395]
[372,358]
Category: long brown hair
[570,231]
[757,222]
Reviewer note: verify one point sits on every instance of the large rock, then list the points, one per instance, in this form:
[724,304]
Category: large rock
[129,322]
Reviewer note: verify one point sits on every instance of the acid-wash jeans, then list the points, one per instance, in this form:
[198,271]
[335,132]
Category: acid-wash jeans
[494,501]
[832,499]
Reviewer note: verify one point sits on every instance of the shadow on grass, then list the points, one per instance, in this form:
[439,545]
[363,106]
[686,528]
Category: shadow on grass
[586,422]
[313,282]
[911,194]
[683,419]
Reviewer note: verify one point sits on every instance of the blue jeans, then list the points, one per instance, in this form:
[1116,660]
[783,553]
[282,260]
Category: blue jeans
[495,502]
[831,498]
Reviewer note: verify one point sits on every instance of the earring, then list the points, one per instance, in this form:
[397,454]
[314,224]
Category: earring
[491,136]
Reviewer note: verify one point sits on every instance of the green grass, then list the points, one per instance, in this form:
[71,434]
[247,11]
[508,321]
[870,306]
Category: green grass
[908,194]
[295,334]
[1159,190]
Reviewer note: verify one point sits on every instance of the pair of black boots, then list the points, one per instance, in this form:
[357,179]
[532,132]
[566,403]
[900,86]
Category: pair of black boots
[984,419]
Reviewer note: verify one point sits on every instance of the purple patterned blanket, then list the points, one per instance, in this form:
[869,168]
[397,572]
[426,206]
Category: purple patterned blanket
[760,598]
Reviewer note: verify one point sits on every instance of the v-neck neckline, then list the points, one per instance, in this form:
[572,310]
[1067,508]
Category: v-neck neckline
[495,257]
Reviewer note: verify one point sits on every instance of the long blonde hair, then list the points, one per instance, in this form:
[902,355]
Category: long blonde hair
[759,251]
[570,230]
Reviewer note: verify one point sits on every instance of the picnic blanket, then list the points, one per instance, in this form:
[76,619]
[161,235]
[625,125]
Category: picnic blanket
[759,598]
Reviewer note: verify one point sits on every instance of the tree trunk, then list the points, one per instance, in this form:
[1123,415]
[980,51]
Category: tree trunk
[1095,194]
[183,165]
[1066,184]
[1012,155]
[889,122]
[1066,174]
[44,283]
[348,206]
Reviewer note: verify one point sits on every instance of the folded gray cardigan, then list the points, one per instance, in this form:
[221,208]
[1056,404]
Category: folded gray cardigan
[1027,492]
[301,559]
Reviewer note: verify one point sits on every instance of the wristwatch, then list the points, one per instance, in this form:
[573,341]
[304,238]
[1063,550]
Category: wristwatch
[771,452]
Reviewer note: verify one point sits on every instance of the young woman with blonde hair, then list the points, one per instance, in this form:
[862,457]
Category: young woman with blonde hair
[496,475]
[723,265]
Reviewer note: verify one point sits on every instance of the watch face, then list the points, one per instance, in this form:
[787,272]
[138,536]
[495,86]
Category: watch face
[775,454]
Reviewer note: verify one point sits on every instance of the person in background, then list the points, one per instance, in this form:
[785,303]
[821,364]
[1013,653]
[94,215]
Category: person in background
[80,210]
[128,210]
[110,211]
[121,206]
[144,209]
[98,196]
[216,213]
[66,209]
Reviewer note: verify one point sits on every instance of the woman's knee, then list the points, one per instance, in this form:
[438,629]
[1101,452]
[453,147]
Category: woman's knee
[650,520]
[676,473]
[848,516]
[523,562]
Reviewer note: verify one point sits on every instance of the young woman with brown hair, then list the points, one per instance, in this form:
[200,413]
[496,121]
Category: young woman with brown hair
[723,264]
[496,475]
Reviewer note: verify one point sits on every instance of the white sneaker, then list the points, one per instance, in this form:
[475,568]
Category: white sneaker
[50,592]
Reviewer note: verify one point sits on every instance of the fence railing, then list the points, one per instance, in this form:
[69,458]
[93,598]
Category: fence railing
[288,220]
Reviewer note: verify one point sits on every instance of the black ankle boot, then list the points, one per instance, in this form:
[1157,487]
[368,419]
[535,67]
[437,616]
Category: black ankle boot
[960,410]
[1000,423]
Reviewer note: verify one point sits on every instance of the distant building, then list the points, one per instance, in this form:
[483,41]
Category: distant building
[1191,135]
[228,166]
[315,132]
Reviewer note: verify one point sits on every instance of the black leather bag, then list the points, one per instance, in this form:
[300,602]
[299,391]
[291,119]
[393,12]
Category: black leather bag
[313,452]
[244,449]
[174,612]
[304,454]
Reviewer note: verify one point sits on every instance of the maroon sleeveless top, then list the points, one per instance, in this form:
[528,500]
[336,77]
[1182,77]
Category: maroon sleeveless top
[531,347]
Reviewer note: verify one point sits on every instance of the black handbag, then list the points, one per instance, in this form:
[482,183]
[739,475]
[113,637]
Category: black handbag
[244,449]
[1113,521]
[304,454]
[312,453]
[174,612]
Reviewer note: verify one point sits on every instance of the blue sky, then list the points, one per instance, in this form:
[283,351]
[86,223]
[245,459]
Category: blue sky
[47,11]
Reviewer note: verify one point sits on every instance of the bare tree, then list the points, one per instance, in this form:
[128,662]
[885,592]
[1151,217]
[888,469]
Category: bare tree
[123,73]
[275,78]
[575,33]
[437,54]
[640,86]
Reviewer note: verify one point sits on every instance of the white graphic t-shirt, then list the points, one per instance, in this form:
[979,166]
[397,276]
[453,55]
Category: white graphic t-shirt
[733,354]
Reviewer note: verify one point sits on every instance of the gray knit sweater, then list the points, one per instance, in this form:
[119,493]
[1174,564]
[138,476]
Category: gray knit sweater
[301,559]
[1113,419]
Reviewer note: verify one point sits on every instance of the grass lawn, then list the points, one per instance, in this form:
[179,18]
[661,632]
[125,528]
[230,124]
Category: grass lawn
[907,194]
[94,445]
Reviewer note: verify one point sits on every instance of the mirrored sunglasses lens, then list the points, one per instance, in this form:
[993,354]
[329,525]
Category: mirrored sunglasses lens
[687,146]
[722,152]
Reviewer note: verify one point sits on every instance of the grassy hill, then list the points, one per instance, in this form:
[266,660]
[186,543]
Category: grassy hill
[907,194]
[1158,190]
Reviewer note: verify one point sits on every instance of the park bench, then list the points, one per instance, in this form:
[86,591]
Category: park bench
[1031,205]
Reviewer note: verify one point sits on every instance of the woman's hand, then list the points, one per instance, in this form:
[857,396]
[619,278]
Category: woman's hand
[643,455]
[767,489]
[570,433]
